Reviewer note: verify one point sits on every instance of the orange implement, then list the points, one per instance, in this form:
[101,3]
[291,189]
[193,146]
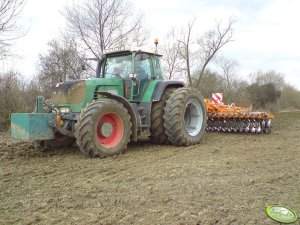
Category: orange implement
[231,118]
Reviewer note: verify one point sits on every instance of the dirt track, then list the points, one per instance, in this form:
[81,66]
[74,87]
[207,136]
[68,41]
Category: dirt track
[228,179]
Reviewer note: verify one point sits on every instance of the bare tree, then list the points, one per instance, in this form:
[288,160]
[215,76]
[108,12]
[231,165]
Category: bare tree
[11,96]
[228,70]
[263,95]
[9,31]
[211,42]
[172,62]
[185,49]
[138,37]
[271,76]
[211,82]
[102,24]
[290,98]
[16,95]
[196,55]
[62,62]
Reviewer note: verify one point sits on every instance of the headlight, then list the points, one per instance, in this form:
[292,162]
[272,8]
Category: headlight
[64,110]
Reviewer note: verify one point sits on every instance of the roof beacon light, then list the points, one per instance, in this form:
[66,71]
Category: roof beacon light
[156,43]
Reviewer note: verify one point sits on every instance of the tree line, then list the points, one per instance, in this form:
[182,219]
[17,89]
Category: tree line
[96,25]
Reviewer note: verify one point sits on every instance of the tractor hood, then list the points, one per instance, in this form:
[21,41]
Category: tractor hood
[69,92]
[76,94]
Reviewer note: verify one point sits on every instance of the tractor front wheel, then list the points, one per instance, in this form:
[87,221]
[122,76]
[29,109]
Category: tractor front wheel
[185,117]
[103,128]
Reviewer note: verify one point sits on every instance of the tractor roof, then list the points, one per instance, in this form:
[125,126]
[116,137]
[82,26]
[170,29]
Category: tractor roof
[127,52]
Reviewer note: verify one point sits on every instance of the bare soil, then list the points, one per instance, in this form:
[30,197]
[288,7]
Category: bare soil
[227,179]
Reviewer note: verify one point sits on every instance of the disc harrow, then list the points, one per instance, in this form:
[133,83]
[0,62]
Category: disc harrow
[230,118]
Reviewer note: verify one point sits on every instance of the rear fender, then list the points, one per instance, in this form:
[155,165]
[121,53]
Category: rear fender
[162,85]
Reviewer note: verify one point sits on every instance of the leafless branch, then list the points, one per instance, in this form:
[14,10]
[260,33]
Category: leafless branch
[101,24]
[185,48]
[171,60]
[211,42]
[228,70]
[9,31]
[62,62]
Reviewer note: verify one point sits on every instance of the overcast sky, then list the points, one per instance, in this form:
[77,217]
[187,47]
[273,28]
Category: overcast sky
[266,34]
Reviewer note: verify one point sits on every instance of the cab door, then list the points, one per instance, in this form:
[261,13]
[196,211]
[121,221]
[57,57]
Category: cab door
[143,72]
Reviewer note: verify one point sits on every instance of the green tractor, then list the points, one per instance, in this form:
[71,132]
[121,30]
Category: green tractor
[128,100]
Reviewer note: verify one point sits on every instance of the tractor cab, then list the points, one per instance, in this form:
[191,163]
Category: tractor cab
[136,68]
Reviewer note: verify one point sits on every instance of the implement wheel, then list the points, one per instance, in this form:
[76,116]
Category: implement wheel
[103,128]
[185,117]
[158,131]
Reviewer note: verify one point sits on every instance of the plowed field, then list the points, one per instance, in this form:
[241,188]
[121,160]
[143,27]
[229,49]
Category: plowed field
[227,179]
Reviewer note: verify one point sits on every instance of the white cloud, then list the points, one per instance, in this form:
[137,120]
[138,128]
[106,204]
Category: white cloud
[271,41]
[266,34]
[42,20]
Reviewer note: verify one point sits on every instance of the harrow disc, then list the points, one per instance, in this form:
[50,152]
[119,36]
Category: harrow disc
[232,119]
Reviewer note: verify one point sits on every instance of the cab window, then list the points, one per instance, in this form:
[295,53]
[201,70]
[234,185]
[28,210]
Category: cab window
[156,67]
[143,66]
[118,66]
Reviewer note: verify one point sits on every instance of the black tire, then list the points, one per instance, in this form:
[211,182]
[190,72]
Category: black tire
[115,127]
[158,131]
[179,118]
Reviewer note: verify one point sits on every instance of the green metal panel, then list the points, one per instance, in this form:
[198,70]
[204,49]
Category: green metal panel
[39,104]
[147,97]
[114,85]
[31,126]
[114,89]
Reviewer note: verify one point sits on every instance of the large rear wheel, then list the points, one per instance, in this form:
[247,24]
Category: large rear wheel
[158,131]
[185,117]
[103,128]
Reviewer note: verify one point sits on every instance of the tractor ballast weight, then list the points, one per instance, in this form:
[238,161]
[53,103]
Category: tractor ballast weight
[128,100]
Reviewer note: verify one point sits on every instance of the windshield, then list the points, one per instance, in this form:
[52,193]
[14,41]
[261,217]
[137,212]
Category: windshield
[118,66]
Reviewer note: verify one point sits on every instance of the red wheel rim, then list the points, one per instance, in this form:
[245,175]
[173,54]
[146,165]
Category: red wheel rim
[109,130]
